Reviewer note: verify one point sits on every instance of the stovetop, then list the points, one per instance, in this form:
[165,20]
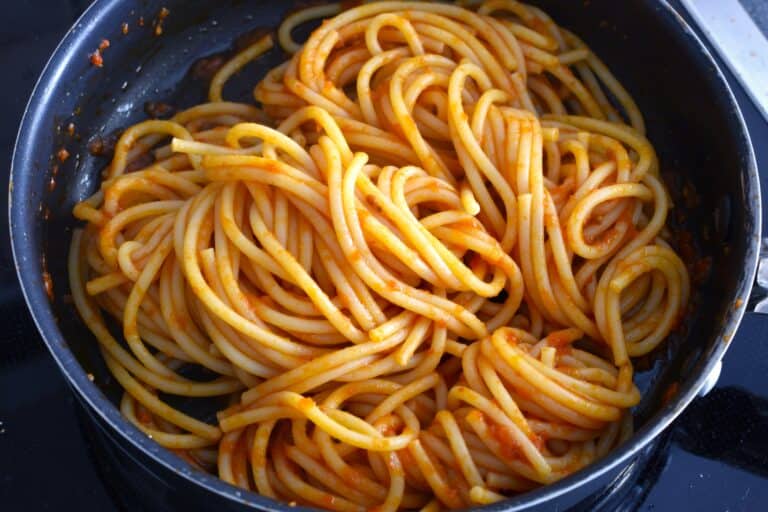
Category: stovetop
[713,458]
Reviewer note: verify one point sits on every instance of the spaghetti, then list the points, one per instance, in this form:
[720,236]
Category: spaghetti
[419,287]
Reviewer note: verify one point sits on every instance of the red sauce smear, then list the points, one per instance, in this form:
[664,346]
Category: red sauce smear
[48,283]
[96,59]
[509,447]
[164,12]
[670,393]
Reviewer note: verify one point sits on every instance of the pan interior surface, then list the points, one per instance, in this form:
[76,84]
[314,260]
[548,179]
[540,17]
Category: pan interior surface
[692,121]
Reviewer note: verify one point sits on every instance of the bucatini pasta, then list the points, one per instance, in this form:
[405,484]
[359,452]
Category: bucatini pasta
[419,285]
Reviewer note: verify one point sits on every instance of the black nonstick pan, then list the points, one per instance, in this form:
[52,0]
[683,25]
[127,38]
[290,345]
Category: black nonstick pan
[159,63]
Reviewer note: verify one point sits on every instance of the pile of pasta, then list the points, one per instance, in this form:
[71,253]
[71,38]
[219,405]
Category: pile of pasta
[417,285]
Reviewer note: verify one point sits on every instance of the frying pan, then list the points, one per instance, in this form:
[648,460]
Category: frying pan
[693,121]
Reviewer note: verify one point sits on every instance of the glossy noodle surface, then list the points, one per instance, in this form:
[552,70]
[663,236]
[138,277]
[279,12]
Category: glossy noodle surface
[415,270]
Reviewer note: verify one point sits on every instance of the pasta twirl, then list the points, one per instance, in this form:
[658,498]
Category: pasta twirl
[390,282]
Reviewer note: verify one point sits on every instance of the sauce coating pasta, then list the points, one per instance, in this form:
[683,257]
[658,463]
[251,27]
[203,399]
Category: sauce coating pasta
[420,285]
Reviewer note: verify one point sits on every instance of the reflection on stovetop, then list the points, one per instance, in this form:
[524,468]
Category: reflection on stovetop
[714,458]
[742,443]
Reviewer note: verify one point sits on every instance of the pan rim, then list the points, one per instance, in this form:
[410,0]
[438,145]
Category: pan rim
[27,264]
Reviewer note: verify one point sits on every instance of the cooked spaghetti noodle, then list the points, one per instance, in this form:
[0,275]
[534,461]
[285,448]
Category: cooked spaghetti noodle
[418,287]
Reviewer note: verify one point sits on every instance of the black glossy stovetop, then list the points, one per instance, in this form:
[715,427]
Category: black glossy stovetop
[714,458]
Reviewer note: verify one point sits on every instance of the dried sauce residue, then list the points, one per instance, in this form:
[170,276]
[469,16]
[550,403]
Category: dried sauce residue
[52,180]
[205,68]
[96,146]
[158,109]
[97,58]
[158,22]
[47,281]
[701,270]
[103,146]
[670,393]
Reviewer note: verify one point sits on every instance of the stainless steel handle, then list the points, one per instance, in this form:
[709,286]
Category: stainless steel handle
[758,303]
[758,300]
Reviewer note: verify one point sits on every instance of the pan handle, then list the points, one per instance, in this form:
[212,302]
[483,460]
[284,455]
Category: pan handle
[758,303]
[758,300]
